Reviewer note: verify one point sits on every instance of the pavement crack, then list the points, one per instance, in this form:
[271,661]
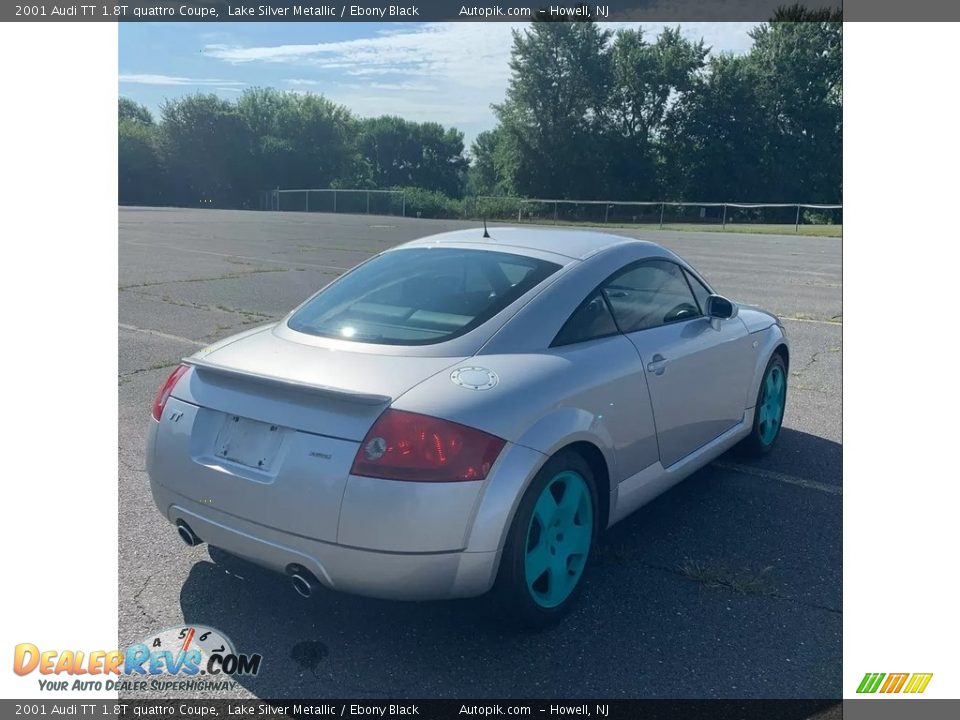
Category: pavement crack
[139,602]
[250,315]
[161,365]
[126,465]
[224,276]
[677,572]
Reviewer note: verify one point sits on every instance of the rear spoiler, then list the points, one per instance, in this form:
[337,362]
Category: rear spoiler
[323,390]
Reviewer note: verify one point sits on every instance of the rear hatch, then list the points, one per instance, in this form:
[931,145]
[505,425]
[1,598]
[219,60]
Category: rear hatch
[266,429]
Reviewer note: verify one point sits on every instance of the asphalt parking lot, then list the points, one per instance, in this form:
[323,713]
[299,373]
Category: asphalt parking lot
[729,585]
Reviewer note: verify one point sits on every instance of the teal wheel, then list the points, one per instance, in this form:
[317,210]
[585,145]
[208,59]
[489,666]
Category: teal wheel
[771,402]
[558,538]
[550,541]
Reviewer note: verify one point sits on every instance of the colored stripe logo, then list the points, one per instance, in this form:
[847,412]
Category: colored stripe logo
[894,682]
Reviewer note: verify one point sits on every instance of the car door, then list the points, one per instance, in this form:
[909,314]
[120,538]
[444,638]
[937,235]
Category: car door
[696,371]
[608,384]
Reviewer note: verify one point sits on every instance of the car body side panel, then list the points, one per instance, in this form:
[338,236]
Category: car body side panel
[768,340]
[699,386]
[636,491]
[593,391]
[501,495]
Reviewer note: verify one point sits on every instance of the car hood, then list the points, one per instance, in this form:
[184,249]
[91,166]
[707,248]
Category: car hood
[364,377]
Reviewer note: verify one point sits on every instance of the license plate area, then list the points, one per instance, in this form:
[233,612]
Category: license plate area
[249,443]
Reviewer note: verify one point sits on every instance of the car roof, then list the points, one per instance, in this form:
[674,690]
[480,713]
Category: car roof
[575,244]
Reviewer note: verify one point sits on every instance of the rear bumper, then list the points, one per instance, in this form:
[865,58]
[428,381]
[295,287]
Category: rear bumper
[397,576]
[395,540]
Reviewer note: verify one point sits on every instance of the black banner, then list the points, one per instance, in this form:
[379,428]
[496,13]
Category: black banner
[425,10]
[431,709]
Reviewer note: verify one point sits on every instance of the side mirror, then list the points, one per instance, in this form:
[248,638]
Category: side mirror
[719,308]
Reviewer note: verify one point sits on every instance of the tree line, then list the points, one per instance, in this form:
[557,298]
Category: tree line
[588,114]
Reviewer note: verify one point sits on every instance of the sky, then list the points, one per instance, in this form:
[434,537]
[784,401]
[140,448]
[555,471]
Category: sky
[443,72]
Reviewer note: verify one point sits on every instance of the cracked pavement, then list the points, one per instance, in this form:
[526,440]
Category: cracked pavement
[729,585]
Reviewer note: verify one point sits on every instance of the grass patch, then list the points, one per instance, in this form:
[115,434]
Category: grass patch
[225,276]
[161,364]
[810,317]
[810,230]
[607,554]
[742,582]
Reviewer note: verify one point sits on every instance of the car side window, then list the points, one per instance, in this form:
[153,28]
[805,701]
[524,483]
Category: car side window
[700,291]
[650,294]
[590,321]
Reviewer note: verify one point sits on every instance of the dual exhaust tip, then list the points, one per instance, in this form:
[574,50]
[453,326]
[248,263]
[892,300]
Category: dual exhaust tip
[302,585]
[303,581]
[189,537]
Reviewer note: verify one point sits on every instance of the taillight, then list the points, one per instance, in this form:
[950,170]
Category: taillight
[163,393]
[408,446]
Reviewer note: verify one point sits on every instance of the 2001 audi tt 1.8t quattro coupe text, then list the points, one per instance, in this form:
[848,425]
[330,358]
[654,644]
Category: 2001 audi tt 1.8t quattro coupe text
[463,413]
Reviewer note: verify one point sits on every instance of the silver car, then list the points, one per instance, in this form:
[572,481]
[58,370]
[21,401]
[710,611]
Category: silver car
[464,413]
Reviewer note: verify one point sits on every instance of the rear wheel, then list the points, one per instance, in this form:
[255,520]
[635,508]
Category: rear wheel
[549,543]
[771,403]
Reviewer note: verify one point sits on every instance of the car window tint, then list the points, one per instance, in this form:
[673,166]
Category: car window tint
[650,294]
[700,291]
[420,296]
[589,321]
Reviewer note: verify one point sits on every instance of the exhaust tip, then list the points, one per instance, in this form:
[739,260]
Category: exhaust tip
[188,536]
[302,585]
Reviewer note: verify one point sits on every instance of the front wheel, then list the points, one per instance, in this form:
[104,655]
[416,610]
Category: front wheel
[549,543]
[768,414]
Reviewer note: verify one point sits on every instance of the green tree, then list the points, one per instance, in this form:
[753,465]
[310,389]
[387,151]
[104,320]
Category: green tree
[206,147]
[716,137]
[400,153]
[552,115]
[297,140]
[799,73]
[140,176]
[765,126]
[130,110]
[484,176]
[646,78]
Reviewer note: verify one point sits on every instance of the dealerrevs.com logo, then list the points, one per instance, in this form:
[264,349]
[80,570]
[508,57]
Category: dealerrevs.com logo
[911,683]
[177,658]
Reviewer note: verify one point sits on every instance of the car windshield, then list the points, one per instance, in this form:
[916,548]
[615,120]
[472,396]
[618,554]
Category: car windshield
[420,296]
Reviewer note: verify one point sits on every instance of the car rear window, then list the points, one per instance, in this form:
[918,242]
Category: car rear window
[420,296]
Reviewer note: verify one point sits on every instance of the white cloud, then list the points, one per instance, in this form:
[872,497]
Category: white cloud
[149,79]
[444,72]
[404,86]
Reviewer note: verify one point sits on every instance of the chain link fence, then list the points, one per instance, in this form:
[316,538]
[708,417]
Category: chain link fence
[662,214]
[665,215]
[330,200]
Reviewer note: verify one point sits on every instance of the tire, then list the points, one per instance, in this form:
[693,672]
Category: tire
[549,543]
[771,403]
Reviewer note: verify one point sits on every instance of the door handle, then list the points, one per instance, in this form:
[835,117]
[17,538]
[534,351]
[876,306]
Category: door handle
[657,364]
